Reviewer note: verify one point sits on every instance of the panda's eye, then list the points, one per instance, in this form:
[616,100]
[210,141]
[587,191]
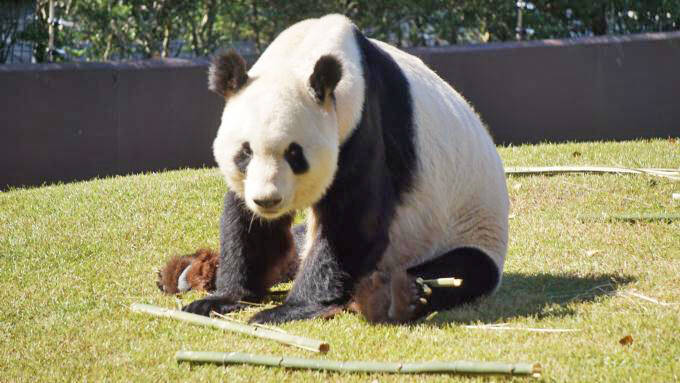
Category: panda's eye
[243,156]
[296,158]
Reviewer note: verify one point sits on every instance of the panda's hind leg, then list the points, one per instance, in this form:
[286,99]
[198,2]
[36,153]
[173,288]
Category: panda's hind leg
[477,270]
[396,297]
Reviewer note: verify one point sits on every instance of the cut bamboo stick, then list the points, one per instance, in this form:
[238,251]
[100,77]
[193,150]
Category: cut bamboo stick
[527,329]
[645,298]
[227,325]
[634,217]
[441,282]
[450,367]
[673,174]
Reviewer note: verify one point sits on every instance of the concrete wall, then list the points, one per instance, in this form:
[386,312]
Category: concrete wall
[64,122]
[77,121]
[601,88]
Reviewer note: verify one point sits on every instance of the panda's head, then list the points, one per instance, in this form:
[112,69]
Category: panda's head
[278,144]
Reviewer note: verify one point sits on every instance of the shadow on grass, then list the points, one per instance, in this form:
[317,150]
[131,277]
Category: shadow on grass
[534,295]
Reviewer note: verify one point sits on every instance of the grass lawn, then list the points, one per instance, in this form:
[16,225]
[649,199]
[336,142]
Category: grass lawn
[74,257]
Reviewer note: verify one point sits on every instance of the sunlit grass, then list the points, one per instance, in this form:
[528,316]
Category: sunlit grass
[74,257]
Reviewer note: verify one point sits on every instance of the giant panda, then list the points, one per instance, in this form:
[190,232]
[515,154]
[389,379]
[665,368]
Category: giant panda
[399,177]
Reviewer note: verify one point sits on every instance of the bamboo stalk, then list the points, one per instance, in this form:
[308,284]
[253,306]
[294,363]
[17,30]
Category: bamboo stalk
[451,367]
[673,174]
[441,282]
[227,325]
[645,298]
[527,329]
[634,217]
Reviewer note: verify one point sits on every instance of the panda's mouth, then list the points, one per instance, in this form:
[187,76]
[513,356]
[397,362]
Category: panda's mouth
[269,213]
[268,208]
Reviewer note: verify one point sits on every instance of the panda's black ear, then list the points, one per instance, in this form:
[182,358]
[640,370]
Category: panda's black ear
[227,73]
[327,74]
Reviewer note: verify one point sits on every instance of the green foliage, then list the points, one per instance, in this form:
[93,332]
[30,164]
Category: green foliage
[124,29]
[9,26]
[566,18]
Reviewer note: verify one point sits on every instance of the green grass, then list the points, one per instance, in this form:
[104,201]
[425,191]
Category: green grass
[74,257]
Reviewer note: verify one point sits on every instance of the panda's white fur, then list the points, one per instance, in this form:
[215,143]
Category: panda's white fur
[456,156]
[460,197]
[269,119]
[453,197]
[278,105]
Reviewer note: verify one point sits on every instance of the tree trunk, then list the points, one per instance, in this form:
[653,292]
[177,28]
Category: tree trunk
[256,27]
[599,20]
[165,50]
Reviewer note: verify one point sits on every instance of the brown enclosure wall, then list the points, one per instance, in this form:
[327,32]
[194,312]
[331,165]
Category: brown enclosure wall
[78,121]
[64,122]
[601,88]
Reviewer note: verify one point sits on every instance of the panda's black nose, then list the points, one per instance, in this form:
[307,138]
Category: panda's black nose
[267,203]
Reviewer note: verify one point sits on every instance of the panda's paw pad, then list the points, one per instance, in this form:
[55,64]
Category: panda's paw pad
[206,306]
[409,298]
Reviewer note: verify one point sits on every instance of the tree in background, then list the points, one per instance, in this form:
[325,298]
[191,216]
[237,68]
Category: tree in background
[10,19]
[127,29]
[132,28]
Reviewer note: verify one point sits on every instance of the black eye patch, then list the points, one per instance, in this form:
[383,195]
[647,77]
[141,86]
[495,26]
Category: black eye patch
[296,158]
[243,157]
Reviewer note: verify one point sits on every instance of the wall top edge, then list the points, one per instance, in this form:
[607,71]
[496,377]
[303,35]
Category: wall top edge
[673,37]
[171,63]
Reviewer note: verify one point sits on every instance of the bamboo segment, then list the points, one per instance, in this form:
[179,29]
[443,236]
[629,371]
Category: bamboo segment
[452,367]
[442,282]
[632,218]
[260,332]
[673,174]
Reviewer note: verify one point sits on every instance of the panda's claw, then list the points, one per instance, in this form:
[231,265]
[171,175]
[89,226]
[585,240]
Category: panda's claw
[426,290]
[408,298]
[219,305]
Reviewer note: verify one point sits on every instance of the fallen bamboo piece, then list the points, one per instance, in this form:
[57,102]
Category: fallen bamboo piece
[503,327]
[214,314]
[227,325]
[645,298]
[451,367]
[634,218]
[673,174]
[441,282]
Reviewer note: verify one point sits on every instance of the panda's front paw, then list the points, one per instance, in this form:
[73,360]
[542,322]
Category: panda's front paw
[408,298]
[291,311]
[219,305]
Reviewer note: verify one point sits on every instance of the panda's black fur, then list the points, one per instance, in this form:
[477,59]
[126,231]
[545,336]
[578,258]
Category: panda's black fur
[376,168]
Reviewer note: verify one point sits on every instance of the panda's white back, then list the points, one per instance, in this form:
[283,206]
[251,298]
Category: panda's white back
[459,196]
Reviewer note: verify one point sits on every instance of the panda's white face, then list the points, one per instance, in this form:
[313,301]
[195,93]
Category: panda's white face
[277,146]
